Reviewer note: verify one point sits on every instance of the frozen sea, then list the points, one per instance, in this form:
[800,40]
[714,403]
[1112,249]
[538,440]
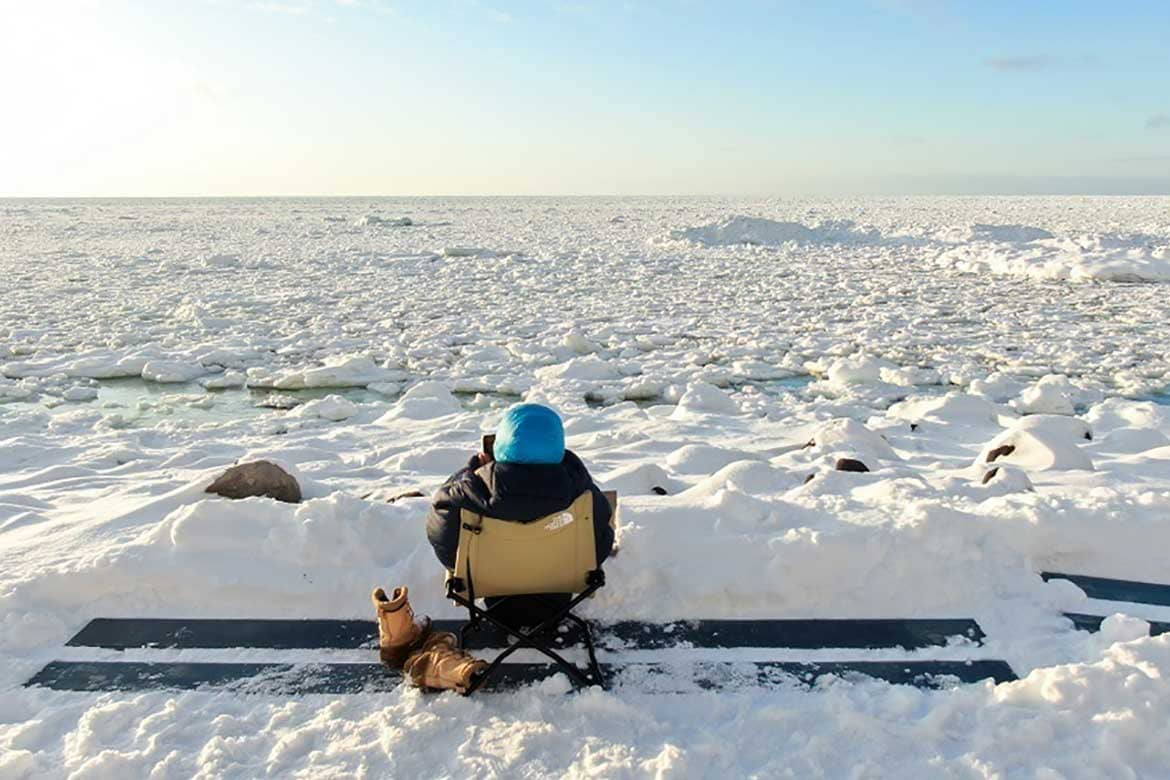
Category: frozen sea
[725,351]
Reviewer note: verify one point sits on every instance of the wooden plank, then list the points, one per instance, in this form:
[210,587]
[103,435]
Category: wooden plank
[1092,623]
[1116,590]
[123,633]
[297,680]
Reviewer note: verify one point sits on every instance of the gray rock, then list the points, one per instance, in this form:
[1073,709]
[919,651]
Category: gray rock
[261,478]
[850,464]
[1001,451]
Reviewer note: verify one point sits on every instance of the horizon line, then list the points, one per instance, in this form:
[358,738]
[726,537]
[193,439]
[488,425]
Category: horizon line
[500,195]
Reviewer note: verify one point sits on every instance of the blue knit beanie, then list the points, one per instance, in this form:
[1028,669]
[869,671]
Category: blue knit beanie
[530,433]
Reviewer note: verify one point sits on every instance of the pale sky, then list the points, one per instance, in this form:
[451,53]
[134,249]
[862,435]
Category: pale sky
[454,97]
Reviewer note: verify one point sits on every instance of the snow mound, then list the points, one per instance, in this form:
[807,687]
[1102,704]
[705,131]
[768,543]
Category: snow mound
[909,376]
[751,477]
[424,401]
[950,409]
[576,341]
[487,356]
[171,371]
[1122,413]
[1016,234]
[340,371]
[590,368]
[440,460]
[467,251]
[996,386]
[1001,479]
[1040,448]
[265,547]
[1051,394]
[1095,257]
[639,479]
[759,370]
[222,261]
[80,393]
[1131,440]
[226,380]
[858,369]
[844,436]
[703,398]
[756,231]
[332,407]
[377,221]
[704,458]
[1071,428]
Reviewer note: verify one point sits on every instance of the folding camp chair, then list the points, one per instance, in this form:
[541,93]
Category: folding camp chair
[554,554]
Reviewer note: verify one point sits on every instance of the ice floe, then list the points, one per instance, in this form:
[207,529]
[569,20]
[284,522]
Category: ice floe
[706,377]
[1100,257]
[758,231]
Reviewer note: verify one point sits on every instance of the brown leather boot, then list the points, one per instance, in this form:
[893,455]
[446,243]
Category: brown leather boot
[399,633]
[440,665]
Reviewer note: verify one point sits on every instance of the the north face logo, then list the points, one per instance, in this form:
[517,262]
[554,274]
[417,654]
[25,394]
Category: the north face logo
[560,521]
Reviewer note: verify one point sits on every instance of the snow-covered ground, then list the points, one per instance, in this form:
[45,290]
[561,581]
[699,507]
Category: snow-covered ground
[723,350]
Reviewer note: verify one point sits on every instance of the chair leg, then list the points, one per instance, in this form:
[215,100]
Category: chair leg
[587,634]
[529,640]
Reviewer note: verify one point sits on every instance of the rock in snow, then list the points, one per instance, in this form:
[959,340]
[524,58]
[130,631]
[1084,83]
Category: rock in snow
[260,478]
[850,464]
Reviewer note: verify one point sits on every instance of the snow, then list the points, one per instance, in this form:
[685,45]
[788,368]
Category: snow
[338,371]
[225,381]
[171,371]
[845,437]
[679,357]
[467,251]
[1022,251]
[1036,449]
[1020,234]
[425,401]
[757,231]
[859,369]
[79,393]
[222,261]
[379,221]
[1049,395]
[702,398]
[332,407]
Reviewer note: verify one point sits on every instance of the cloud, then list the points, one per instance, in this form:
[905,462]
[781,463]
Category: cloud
[1026,62]
[312,8]
[1033,62]
[1158,122]
[907,139]
[928,10]
[376,6]
[295,8]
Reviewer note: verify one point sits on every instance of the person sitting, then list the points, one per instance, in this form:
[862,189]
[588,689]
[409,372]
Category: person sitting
[528,475]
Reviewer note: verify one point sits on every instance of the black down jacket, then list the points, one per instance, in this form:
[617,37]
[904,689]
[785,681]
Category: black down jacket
[519,492]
